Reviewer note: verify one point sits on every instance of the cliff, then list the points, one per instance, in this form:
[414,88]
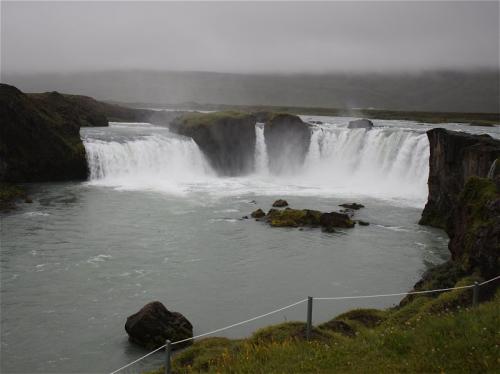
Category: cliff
[87,111]
[474,229]
[464,200]
[38,143]
[454,158]
[40,133]
[287,140]
[226,138]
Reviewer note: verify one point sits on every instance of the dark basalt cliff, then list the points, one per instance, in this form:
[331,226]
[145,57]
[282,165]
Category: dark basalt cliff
[40,133]
[226,138]
[38,143]
[454,158]
[464,199]
[474,229]
[287,140]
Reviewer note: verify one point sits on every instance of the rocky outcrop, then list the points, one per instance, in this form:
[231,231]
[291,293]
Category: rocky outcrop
[88,112]
[334,219]
[474,228]
[287,141]
[259,213]
[226,138]
[280,203]
[360,124]
[308,218]
[38,143]
[464,199]
[40,133]
[154,324]
[454,158]
[352,206]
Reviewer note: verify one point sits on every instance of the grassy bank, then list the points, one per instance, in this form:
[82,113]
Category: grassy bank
[427,334]
[475,119]
[9,194]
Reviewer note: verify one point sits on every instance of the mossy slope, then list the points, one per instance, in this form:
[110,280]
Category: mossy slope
[428,334]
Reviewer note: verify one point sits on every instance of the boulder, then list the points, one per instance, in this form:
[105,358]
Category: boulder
[363,223]
[360,124]
[280,203]
[259,213]
[334,219]
[293,217]
[353,206]
[151,326]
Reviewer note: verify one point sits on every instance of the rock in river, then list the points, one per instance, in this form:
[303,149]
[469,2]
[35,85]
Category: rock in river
[280,203]
[353,206]
[154,324]
[259,213]
[360,124]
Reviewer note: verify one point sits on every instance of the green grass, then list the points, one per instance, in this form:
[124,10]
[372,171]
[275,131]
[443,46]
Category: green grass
[196,119]
[9,193]
[427,335]
[473,119]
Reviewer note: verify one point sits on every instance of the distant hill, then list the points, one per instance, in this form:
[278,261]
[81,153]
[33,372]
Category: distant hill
[442,91]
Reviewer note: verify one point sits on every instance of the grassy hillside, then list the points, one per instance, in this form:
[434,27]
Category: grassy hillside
[427,334]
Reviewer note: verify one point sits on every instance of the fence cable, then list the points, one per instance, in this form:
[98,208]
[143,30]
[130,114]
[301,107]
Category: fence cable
[300,302]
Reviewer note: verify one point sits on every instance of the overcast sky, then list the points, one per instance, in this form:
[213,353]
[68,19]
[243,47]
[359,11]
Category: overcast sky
[248,37]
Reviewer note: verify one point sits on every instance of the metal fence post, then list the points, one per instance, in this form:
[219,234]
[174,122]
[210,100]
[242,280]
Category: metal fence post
[475,294]
[168,362]
[309,316]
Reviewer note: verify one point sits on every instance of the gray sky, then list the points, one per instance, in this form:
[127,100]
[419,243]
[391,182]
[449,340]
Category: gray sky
[248,37]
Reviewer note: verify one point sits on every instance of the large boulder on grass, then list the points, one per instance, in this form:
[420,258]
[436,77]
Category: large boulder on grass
[151,326]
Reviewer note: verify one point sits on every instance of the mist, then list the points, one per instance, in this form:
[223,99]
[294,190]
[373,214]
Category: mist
[248,37]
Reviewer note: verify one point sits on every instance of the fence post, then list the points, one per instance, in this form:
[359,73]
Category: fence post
[168,351]
[475,294]
[309,316]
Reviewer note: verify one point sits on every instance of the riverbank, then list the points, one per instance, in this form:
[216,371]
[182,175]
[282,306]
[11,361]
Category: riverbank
[424,333]
[427,334]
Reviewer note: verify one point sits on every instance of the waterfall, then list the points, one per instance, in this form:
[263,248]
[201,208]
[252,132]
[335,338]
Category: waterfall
[261,158]
[387,163]
[491,172]
[156,162]
[378,161]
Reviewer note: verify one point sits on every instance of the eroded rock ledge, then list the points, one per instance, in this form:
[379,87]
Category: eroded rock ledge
[454,158]
[226,138]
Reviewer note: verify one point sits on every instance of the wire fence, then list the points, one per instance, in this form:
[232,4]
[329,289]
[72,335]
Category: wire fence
[169,345]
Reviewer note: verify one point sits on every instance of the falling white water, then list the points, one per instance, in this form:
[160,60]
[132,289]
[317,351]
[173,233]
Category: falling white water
[261,158]
[386,163]
[158,162]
